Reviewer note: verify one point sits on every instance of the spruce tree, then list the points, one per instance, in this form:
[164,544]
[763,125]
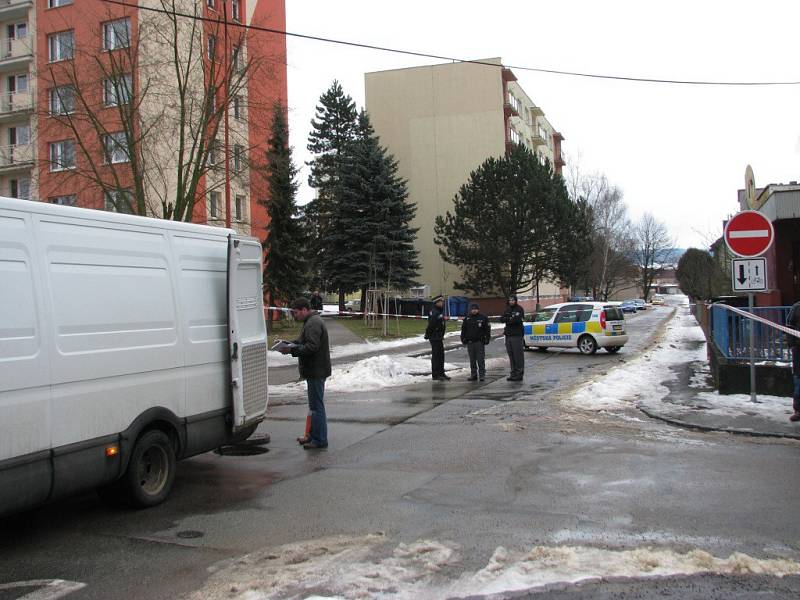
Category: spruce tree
[379,197]
[331,138]
[285,275]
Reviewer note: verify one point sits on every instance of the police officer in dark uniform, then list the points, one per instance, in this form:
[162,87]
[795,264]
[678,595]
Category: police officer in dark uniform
[513,317]
[434,333]
[475,334]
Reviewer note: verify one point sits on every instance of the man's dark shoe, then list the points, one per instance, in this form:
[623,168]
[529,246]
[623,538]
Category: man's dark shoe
[472,378]
[303,440]
[513,378]
[482,378]
[314,446]
[445,377]
[795,417]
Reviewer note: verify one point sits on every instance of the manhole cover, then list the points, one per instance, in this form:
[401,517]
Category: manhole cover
[241,450]
[189,534]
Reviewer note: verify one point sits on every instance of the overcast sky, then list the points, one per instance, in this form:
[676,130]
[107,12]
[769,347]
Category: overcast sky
[677,151]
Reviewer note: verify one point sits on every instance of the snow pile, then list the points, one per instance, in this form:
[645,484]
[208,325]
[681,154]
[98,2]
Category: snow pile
[683,343]
[511,571]
[349,567]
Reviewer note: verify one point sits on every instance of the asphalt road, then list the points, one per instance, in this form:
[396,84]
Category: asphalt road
[469,468]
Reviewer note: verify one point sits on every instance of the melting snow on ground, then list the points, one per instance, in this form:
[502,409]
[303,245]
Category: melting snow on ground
[349,567]
[683,343]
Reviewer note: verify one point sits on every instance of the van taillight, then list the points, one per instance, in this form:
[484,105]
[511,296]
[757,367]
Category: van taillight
[602,319]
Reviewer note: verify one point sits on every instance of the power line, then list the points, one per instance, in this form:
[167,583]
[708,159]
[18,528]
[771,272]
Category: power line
[451,58]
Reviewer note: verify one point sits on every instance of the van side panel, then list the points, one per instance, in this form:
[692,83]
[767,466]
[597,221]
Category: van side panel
[25,469]
[116,349]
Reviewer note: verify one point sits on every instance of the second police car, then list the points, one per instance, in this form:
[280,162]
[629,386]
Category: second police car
[585,325]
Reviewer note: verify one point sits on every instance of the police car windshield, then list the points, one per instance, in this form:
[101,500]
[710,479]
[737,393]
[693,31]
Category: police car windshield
[544,315]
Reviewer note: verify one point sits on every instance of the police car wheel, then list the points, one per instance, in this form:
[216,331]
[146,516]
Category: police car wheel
[587,345]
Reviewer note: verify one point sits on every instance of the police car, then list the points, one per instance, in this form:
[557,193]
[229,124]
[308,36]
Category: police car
[583,325]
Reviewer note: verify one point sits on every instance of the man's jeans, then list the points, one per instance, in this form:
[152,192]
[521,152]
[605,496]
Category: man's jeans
[477,362]
[316,406]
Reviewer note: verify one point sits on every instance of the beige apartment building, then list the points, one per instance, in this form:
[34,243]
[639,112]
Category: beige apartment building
[441,122]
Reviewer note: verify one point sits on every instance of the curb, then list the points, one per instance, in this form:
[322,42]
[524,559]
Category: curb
[688,425]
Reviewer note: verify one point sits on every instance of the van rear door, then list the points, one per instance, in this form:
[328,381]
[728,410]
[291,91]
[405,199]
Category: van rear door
[247,331]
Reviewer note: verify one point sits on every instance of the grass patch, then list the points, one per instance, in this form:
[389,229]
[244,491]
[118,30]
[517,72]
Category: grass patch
[396,329]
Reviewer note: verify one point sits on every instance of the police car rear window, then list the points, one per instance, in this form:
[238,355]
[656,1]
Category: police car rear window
[613,313]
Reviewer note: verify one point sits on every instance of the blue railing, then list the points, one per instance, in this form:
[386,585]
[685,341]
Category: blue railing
[731,333]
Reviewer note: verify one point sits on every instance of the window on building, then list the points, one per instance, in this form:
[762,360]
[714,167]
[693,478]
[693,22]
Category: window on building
[214,202]
[62,100]
[120,201]
[212,47]
[236,59]
[68,200]
[117,34]
[515,139]
[213,153]
[238,206]
[210,3]
[118,90]
[18,83]
[57,3]
[18,31]
[19,135]
[116,147]
[238,158]
[238,107]
[235,9]
[61,46]
[20,188]
[62,155]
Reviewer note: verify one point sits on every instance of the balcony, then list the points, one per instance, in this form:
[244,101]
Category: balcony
[536,111]
[537,139]
[14,104]
[14,9]
[15,53]
[17,157]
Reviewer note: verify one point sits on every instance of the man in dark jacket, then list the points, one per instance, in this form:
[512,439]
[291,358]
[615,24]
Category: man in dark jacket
[314,364]
[475,334]
[316,300]
[513,317]
[434,333]
[793,321]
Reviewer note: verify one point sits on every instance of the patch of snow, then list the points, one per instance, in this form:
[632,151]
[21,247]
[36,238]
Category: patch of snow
[645,375]
[774,408]
[351,567]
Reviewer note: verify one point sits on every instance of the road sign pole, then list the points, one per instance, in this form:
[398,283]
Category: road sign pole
[750,303]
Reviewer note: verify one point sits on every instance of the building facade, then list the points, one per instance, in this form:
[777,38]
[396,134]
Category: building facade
[92,95]
[441,122]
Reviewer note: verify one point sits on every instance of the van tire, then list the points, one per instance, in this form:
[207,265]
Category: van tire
[587,344]
[151,470]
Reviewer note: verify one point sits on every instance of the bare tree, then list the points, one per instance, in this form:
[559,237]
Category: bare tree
[652,248]
[145,114]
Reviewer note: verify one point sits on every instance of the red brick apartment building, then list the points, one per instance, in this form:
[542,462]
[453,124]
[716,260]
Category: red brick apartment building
[86,84]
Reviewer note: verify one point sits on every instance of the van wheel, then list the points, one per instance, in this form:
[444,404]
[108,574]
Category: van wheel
[613,349]
[587,345]
[151,470]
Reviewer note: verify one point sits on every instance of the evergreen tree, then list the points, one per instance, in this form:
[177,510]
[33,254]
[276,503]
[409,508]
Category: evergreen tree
[507,224]
[333,133]
[381,242]
[285,275]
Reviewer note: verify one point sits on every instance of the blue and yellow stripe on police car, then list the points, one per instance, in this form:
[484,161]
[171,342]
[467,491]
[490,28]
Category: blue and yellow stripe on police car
[566,328]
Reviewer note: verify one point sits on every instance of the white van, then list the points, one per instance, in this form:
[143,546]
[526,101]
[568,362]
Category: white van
[586,326]
[116,354]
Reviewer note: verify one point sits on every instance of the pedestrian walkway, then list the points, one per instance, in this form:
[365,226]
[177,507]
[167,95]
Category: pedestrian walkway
[340,335]
[693,402]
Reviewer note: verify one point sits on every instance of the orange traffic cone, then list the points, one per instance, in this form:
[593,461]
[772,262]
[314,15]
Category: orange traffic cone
[307,435]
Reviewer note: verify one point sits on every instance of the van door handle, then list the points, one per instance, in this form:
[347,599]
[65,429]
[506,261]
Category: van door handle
[235,355]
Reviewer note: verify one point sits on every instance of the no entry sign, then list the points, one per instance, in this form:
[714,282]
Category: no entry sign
[749,233]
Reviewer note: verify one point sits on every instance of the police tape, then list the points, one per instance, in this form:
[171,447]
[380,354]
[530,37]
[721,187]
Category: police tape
[753,317]
[342,313]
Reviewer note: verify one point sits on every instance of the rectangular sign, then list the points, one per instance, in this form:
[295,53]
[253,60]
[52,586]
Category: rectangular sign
[749,274]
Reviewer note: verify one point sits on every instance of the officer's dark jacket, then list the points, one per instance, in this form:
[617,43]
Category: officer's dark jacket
[436,325]
[476,328]
[513,318]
